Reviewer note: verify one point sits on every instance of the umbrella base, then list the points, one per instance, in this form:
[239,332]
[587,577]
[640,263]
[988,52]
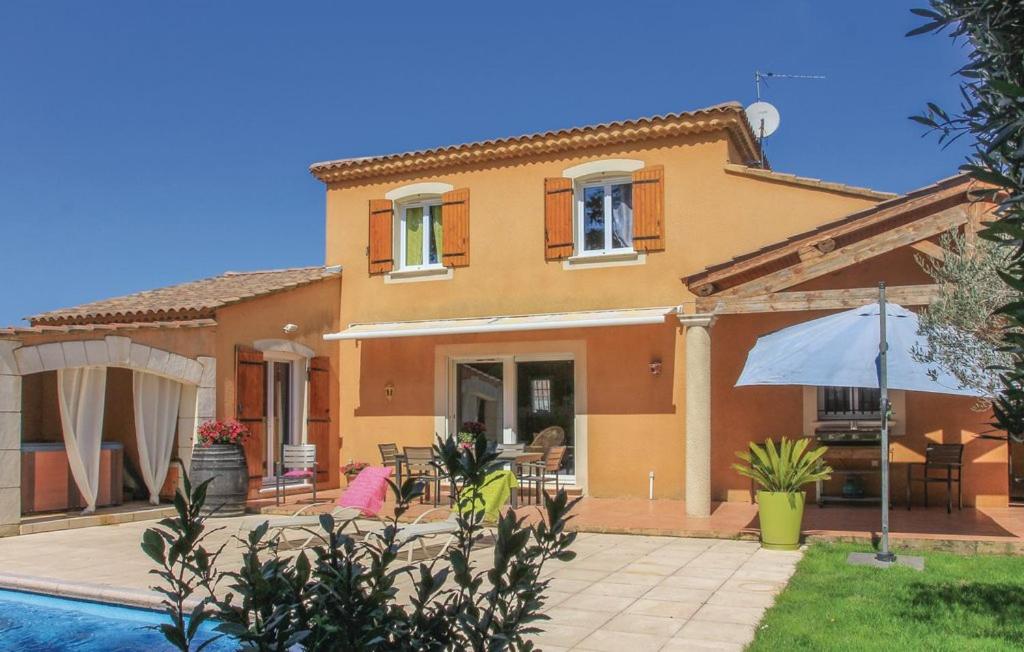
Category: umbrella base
[871,559]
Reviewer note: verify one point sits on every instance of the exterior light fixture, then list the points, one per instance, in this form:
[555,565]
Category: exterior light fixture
[655,367]
[290,328]
[389,391]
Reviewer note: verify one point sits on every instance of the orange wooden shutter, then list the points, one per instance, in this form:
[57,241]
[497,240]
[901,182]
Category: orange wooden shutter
[558,240]
[381,238]
[455,224]
[649,208]
[318,422]
[251,411]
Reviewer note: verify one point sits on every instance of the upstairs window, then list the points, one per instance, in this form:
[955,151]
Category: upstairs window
[420,235]
[604,216]
[842,403]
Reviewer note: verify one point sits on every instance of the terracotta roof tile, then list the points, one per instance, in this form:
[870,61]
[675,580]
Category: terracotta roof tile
[728,116]
[185,301]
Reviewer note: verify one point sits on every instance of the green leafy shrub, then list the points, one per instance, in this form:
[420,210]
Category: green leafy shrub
[341,594]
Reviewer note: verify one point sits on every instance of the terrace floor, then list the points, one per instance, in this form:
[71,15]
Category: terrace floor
[986,529]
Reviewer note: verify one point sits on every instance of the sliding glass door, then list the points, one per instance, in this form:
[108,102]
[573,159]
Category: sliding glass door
[545,398]
[516,397]
[481,397]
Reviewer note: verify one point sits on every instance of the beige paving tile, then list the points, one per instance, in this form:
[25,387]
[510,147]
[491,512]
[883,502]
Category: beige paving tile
[644,624]
[676,594]
[682,644]
[704,630]
[690,582]
[567,586]
[648,568]
[573,617]
[753,585]
[620,590]
[608,603]
[612,641]
[559,635]
[664,608]
[633,578]
[554,598]
[579,574]
[742,599]
[694,569]
[731,614]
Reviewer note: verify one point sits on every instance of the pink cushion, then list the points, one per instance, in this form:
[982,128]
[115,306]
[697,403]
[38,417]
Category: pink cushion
[368,491]
[299,473]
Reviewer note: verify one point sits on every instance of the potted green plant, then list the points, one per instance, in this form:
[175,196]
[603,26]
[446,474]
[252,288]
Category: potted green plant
[781,473]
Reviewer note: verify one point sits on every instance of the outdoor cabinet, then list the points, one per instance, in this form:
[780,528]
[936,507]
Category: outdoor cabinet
[48,486]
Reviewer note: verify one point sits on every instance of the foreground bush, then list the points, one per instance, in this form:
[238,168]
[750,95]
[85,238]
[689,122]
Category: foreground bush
[342,595]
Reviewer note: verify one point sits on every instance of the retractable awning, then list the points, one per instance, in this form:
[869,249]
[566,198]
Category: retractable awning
[589,319]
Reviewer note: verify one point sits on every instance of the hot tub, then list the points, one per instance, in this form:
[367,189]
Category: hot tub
[47,484]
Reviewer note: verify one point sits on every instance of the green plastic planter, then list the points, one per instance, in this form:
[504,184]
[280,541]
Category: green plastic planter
[781,515]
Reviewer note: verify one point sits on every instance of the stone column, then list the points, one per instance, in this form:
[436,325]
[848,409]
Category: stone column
[10,440]
[698,414]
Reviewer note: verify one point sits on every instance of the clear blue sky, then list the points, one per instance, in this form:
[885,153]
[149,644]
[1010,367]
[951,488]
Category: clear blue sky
[143,144]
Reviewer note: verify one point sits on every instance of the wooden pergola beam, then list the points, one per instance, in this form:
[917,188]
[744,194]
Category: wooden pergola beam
[905,295]
[930,249]
[852,254]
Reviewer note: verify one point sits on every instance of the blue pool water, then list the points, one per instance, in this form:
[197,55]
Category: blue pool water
[40,623]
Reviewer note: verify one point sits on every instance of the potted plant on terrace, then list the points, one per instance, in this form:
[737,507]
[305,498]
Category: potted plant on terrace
[352,469]
[218,456]
[469,432]
[781,473]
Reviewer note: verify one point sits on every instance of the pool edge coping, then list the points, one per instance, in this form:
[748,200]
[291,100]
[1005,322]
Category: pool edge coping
[91,592]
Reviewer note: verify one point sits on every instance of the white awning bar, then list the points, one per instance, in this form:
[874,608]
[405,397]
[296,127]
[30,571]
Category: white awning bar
[463,326]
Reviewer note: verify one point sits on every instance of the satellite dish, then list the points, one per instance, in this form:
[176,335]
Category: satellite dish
[763,118]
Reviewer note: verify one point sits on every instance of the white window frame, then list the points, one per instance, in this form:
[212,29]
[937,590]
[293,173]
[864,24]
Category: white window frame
[606,182]
[425,204]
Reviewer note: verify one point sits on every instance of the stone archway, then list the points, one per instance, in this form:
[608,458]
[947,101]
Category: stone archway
[198,399]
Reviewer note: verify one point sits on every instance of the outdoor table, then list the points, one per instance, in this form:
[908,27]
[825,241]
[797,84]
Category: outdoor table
[513,458]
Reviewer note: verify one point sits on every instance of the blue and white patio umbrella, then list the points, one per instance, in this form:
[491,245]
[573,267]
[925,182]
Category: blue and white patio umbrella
[841,350]
[870,346]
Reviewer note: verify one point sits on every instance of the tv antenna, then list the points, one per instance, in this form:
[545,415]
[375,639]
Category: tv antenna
[763,116]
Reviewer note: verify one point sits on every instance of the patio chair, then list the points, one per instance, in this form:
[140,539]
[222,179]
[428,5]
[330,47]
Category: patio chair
[419,464]
[298,461]
[492,497]
[364,497]
[545,439]
[545,471]
[939,457]
[388,454]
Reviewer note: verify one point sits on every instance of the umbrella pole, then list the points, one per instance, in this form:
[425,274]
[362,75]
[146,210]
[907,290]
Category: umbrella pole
[884,555]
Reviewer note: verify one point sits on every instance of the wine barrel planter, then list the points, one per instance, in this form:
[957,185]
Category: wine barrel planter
[225,463]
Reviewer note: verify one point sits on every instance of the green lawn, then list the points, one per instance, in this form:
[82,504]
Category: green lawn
[957,603]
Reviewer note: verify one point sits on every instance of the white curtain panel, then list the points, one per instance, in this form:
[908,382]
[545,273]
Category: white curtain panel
[156,417]
[80,392]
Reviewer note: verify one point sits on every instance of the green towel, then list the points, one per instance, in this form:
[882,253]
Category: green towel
[491,497]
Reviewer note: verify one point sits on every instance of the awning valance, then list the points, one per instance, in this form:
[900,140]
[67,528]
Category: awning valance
[511,323]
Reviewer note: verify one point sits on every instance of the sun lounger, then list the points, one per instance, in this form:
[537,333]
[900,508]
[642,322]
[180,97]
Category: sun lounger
[364,497]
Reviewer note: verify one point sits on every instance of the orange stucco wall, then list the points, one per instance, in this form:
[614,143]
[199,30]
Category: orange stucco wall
[744,414]
[710,216]
[189,342]
[313,308]
[635,420]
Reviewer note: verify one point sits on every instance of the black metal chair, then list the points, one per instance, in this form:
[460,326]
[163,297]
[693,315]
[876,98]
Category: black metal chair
[940,457]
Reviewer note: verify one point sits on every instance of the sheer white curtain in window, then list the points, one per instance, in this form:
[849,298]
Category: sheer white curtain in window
[80,393]
[156,402]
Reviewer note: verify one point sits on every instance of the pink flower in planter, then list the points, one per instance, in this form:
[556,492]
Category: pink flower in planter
[221,432]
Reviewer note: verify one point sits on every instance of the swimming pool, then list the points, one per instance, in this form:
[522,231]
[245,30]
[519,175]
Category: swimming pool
[38,623]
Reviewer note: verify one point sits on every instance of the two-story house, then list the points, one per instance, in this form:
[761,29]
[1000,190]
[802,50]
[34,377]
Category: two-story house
[606,280]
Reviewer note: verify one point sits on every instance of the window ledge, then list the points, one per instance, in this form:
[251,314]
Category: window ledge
[593,261]
[417,275]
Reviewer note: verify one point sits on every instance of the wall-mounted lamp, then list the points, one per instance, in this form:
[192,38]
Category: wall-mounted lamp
[290,328]
[389,391]
[655,367]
